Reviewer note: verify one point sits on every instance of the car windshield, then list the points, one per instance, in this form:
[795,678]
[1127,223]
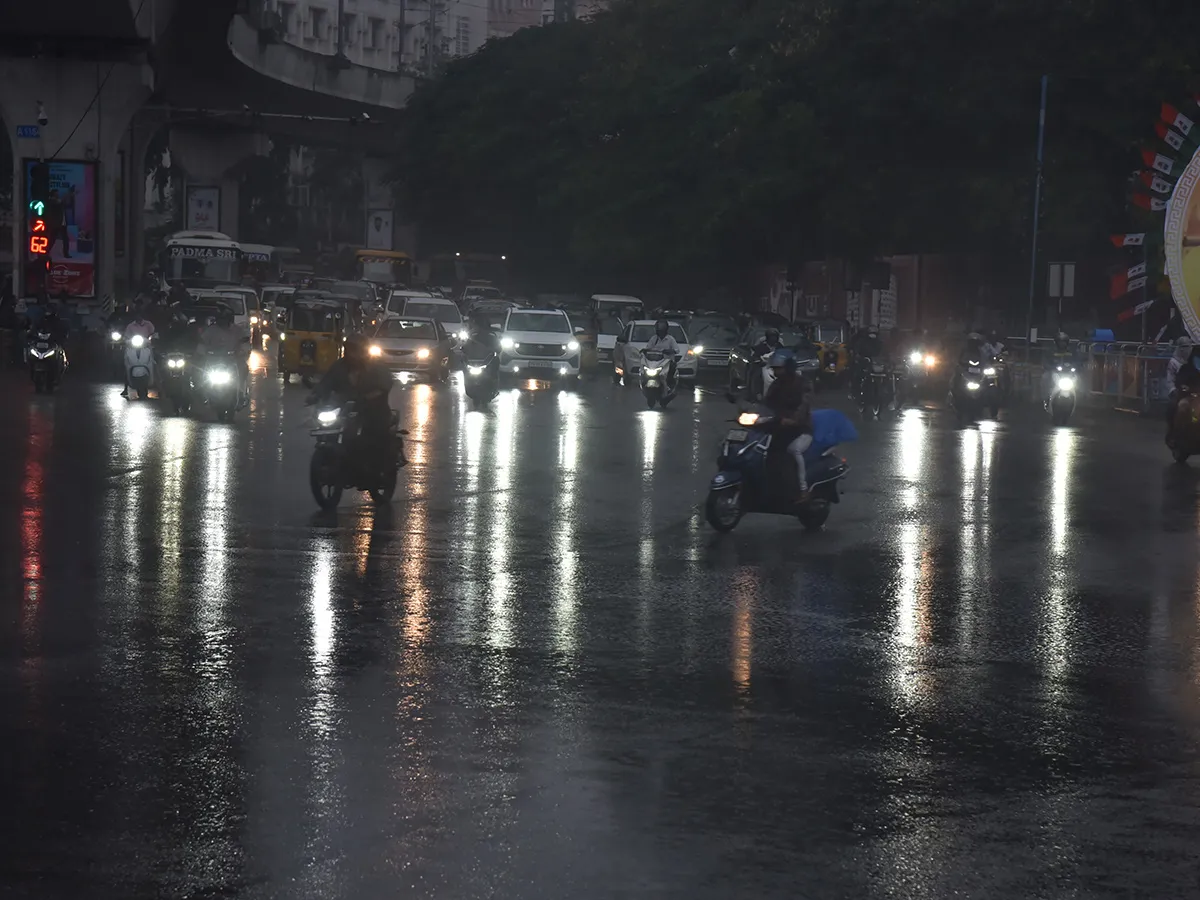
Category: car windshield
[356,289]
[236,302]
[788,337]
[717,336]
[405,328]
[490,316]
[307,318]
[483,293]
[538,321]
[828,334]
[610,323]
[643,333]
[705,323]
[278,298]
[446,313]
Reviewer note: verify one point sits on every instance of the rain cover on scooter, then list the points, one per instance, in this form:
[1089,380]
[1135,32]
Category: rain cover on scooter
[830,428]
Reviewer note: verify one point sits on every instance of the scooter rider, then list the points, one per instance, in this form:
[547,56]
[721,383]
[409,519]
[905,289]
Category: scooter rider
[1060,355]
[1180,373]
[139,326]
[665,344]
[769,344]
[357,377]
[221,338]
[868,347]
[788,398]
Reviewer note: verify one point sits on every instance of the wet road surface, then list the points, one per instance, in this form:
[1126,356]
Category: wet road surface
[540,674]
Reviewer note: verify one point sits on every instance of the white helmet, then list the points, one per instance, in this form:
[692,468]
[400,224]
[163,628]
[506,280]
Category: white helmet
[1183,341]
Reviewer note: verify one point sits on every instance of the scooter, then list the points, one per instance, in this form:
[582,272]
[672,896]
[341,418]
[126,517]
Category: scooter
[1061,402]
[746,483]
[47,362]
[658,387]
[139,365]
[336,466]
[221,386]
[1184,440]
[481,374]
[975,391]
[178,385]
[876,389]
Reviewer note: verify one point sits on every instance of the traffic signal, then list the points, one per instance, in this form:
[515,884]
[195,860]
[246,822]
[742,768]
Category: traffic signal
[39,188]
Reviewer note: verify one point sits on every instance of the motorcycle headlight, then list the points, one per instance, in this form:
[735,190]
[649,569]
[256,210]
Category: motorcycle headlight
[747,418]
[475,370]
[116,335]
[1066,383]
[989,371]
[507,343]
[930,361]
[462,335]
[328,416]
[375,350]
[219,376]
[915,357]
[254,320]
[972,385]
[137,341]
[423,353]
[282,335]
[650,371]
[572,346]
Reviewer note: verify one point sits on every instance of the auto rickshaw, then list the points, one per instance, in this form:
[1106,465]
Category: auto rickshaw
[830,337]
[311,339]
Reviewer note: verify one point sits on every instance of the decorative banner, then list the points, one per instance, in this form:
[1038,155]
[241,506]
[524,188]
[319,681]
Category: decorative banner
[1168,136]
[1126,314]
[1156,183]
[1128,240]
[1147,202]
[1181,236]
[1176,119]
[1135,271]
[1157,161]
[1136,284]
[1122,284]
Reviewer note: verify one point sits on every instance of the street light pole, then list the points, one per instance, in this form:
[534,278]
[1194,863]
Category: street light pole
[1037,209]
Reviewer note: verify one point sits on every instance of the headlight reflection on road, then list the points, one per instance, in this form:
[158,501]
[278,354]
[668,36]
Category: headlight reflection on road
[220,480]
[741,641]
[33,544]
[1056,644]
[913,436]
[500,525]
[566,585]
[323,636]
[170,507]
[912,632]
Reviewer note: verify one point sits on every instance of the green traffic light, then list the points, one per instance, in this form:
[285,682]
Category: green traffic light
[37,206]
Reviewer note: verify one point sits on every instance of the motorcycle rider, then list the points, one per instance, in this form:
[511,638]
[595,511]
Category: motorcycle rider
[868,348]
[788,398]
[1181,373]
[221,338]
[357,377]
[662,341]
[140,325]
[769,344]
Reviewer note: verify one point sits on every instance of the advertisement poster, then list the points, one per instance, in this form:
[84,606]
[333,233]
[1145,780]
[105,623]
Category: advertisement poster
[1182,244]
[203,209]
[379,229]
[70,225]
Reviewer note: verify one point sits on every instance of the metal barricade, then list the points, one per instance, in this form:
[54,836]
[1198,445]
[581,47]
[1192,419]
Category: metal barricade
[1127,376]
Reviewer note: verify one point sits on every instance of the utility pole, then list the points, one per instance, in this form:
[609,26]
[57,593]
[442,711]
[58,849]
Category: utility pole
[403,39]
[433,7]
[1037,211]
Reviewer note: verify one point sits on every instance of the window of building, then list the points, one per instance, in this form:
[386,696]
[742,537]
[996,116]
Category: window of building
[375,35]
[349,29]
[287,19]
[462,36]
[319,23]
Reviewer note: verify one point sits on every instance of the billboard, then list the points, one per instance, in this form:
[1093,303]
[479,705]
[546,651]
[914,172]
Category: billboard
[203,209]
[379,229]
[70,223]
[1181,236]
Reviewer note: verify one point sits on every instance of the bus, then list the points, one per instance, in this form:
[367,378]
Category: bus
[452,271]
[383,267]
[201,259]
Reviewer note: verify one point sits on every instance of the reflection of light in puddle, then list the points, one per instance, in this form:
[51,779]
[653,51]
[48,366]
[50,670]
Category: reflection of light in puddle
[742,637]
[323,635]
[500,625]
[913,434]
[1056,645]
[566,588]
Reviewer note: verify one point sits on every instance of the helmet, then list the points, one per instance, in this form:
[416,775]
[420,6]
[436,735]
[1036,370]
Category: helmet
[974,336]
[1183,341]
[783,359]
[1061,340]
[772,334]
[661,327]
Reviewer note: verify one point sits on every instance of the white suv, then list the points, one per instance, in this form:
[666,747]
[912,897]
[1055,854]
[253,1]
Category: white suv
[539,342]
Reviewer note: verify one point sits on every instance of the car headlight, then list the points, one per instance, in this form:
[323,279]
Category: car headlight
[328,416]
[989,371]
[116,335]
[423,353]
[137,341]
[972,385]
[462,335]
[747,418]
[219,376]
[1066,383]
[930,361]
[375,350]
[915,357]
[507,343]
[282,335]
[697,350]
[175,363]
[650,371]
[572,346]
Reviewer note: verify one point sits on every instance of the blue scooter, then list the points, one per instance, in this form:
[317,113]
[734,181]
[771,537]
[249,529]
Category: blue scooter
[743,483]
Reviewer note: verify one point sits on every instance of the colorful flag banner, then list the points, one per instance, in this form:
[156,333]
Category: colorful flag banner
[1128,240]
[1156,182]
[1168,136]
[1145,201]
[1157,161]
[1176,119]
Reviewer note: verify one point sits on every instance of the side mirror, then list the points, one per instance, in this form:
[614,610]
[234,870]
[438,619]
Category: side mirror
[497,326]
[579,329]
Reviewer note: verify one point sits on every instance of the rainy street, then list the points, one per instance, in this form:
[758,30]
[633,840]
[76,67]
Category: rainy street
[540,674]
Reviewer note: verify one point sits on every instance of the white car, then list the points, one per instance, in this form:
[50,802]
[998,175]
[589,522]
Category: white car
[241,300]
[627,355]
[414,305]
[611,311]
[539,342]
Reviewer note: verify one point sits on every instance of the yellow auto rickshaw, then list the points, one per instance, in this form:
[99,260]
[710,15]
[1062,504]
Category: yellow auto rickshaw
[311,339]
[829,335]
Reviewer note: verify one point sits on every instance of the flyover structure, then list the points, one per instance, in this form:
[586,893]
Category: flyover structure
[86,84]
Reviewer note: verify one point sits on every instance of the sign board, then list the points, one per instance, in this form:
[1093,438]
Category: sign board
[29,132]
[1062,280]
[379,229]
[178,251]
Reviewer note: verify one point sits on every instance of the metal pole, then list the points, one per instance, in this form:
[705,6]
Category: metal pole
[429,51]
[1037,209]
[403,39]
[341,28]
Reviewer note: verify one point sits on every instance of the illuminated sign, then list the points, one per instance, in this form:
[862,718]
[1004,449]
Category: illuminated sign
[39,244]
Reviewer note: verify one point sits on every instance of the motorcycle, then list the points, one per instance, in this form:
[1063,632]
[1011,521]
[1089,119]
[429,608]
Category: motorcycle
[481,374]
[1061,402]
[922,366]
[178,385]
[139,365]
[47,362]
[876,388]
[975,391]
[1184,440]
[746,483]
[338,459]
[657,384]
[221,386]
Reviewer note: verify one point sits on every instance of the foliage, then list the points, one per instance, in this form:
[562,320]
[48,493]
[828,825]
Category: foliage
[694,138]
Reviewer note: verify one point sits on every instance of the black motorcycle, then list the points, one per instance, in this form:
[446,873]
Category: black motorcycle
[342,460]
[976,391]
[178,386]
[876,387]
[221,387]
[47,362]
[481,374]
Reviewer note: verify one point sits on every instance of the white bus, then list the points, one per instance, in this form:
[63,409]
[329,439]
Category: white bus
[201,259]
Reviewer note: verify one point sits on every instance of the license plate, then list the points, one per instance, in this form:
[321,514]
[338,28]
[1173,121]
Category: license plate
[737,435]
[306,360]
[973,371]
[540,363]
[651,382]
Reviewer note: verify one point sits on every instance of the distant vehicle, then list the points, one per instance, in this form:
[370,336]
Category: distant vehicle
[627,357]
[384,267]
[611,312]
[444,311]
[540,342]
[413,349]
[201,259]
[746,369]
[480,291]
[237,299]
[714,345]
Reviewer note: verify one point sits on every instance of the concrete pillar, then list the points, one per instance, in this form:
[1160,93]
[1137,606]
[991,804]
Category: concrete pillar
[208,156]
[88,107]
[378,196]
